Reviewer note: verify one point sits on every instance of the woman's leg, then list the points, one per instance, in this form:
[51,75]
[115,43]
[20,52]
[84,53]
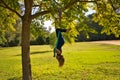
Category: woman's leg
[59,47]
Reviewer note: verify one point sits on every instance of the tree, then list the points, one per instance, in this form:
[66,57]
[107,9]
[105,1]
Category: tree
[71,9]
[39,33]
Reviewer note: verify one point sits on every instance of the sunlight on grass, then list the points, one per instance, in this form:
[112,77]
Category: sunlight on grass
[83,61]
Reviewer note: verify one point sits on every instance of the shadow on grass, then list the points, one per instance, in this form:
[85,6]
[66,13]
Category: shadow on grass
[40,52]
[37,52]
[15,78]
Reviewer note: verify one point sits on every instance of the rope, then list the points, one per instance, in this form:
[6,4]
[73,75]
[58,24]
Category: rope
[56,44]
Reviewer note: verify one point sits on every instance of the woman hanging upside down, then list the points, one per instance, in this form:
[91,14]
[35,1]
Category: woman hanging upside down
[61,42]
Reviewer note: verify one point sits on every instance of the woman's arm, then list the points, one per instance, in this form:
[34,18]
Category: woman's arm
[61,30]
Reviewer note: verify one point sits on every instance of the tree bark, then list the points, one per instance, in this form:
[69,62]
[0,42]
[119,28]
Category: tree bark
[26,65]
[26,21]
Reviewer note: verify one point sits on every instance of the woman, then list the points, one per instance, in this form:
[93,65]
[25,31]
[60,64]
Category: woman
[61,42]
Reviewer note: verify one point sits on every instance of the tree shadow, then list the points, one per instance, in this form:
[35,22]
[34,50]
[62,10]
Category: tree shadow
[15,78]
[37,52]
[40,52]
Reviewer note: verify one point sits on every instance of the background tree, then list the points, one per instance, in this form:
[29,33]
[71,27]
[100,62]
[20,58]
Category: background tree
[7,22]
[39,33]
[95,31]
[108,15]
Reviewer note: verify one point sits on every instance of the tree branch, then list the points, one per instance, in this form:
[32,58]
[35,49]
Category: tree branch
[72,2]
[2,6]
[7,7]
[36,5]
[40,13]
[112,5]
[87,0]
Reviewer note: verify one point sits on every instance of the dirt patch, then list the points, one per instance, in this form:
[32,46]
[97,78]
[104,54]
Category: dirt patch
[114,42]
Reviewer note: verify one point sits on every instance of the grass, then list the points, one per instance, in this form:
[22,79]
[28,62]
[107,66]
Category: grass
[83,61]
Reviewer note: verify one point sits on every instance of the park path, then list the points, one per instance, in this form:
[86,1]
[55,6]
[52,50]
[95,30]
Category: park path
[114,42]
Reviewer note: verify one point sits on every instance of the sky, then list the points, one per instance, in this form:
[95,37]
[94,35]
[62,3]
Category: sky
[90,11]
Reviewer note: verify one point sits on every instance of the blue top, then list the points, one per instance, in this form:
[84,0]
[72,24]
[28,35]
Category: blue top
[60,38]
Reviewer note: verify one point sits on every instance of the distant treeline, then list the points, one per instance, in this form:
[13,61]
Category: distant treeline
[41,36]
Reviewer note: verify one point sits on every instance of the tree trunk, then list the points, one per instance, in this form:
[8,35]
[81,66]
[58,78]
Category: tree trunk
[26,65]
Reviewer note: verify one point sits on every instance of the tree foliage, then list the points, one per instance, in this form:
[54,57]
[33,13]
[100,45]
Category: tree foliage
[39,33]
[7,19]
[108,16]
[94,36]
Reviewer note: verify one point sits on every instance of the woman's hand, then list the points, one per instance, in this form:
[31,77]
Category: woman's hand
[68,30]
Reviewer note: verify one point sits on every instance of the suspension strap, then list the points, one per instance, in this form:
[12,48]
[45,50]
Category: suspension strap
[60,16]
[56,44]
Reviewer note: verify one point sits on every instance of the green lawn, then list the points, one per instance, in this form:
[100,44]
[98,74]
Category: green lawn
[83,61]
